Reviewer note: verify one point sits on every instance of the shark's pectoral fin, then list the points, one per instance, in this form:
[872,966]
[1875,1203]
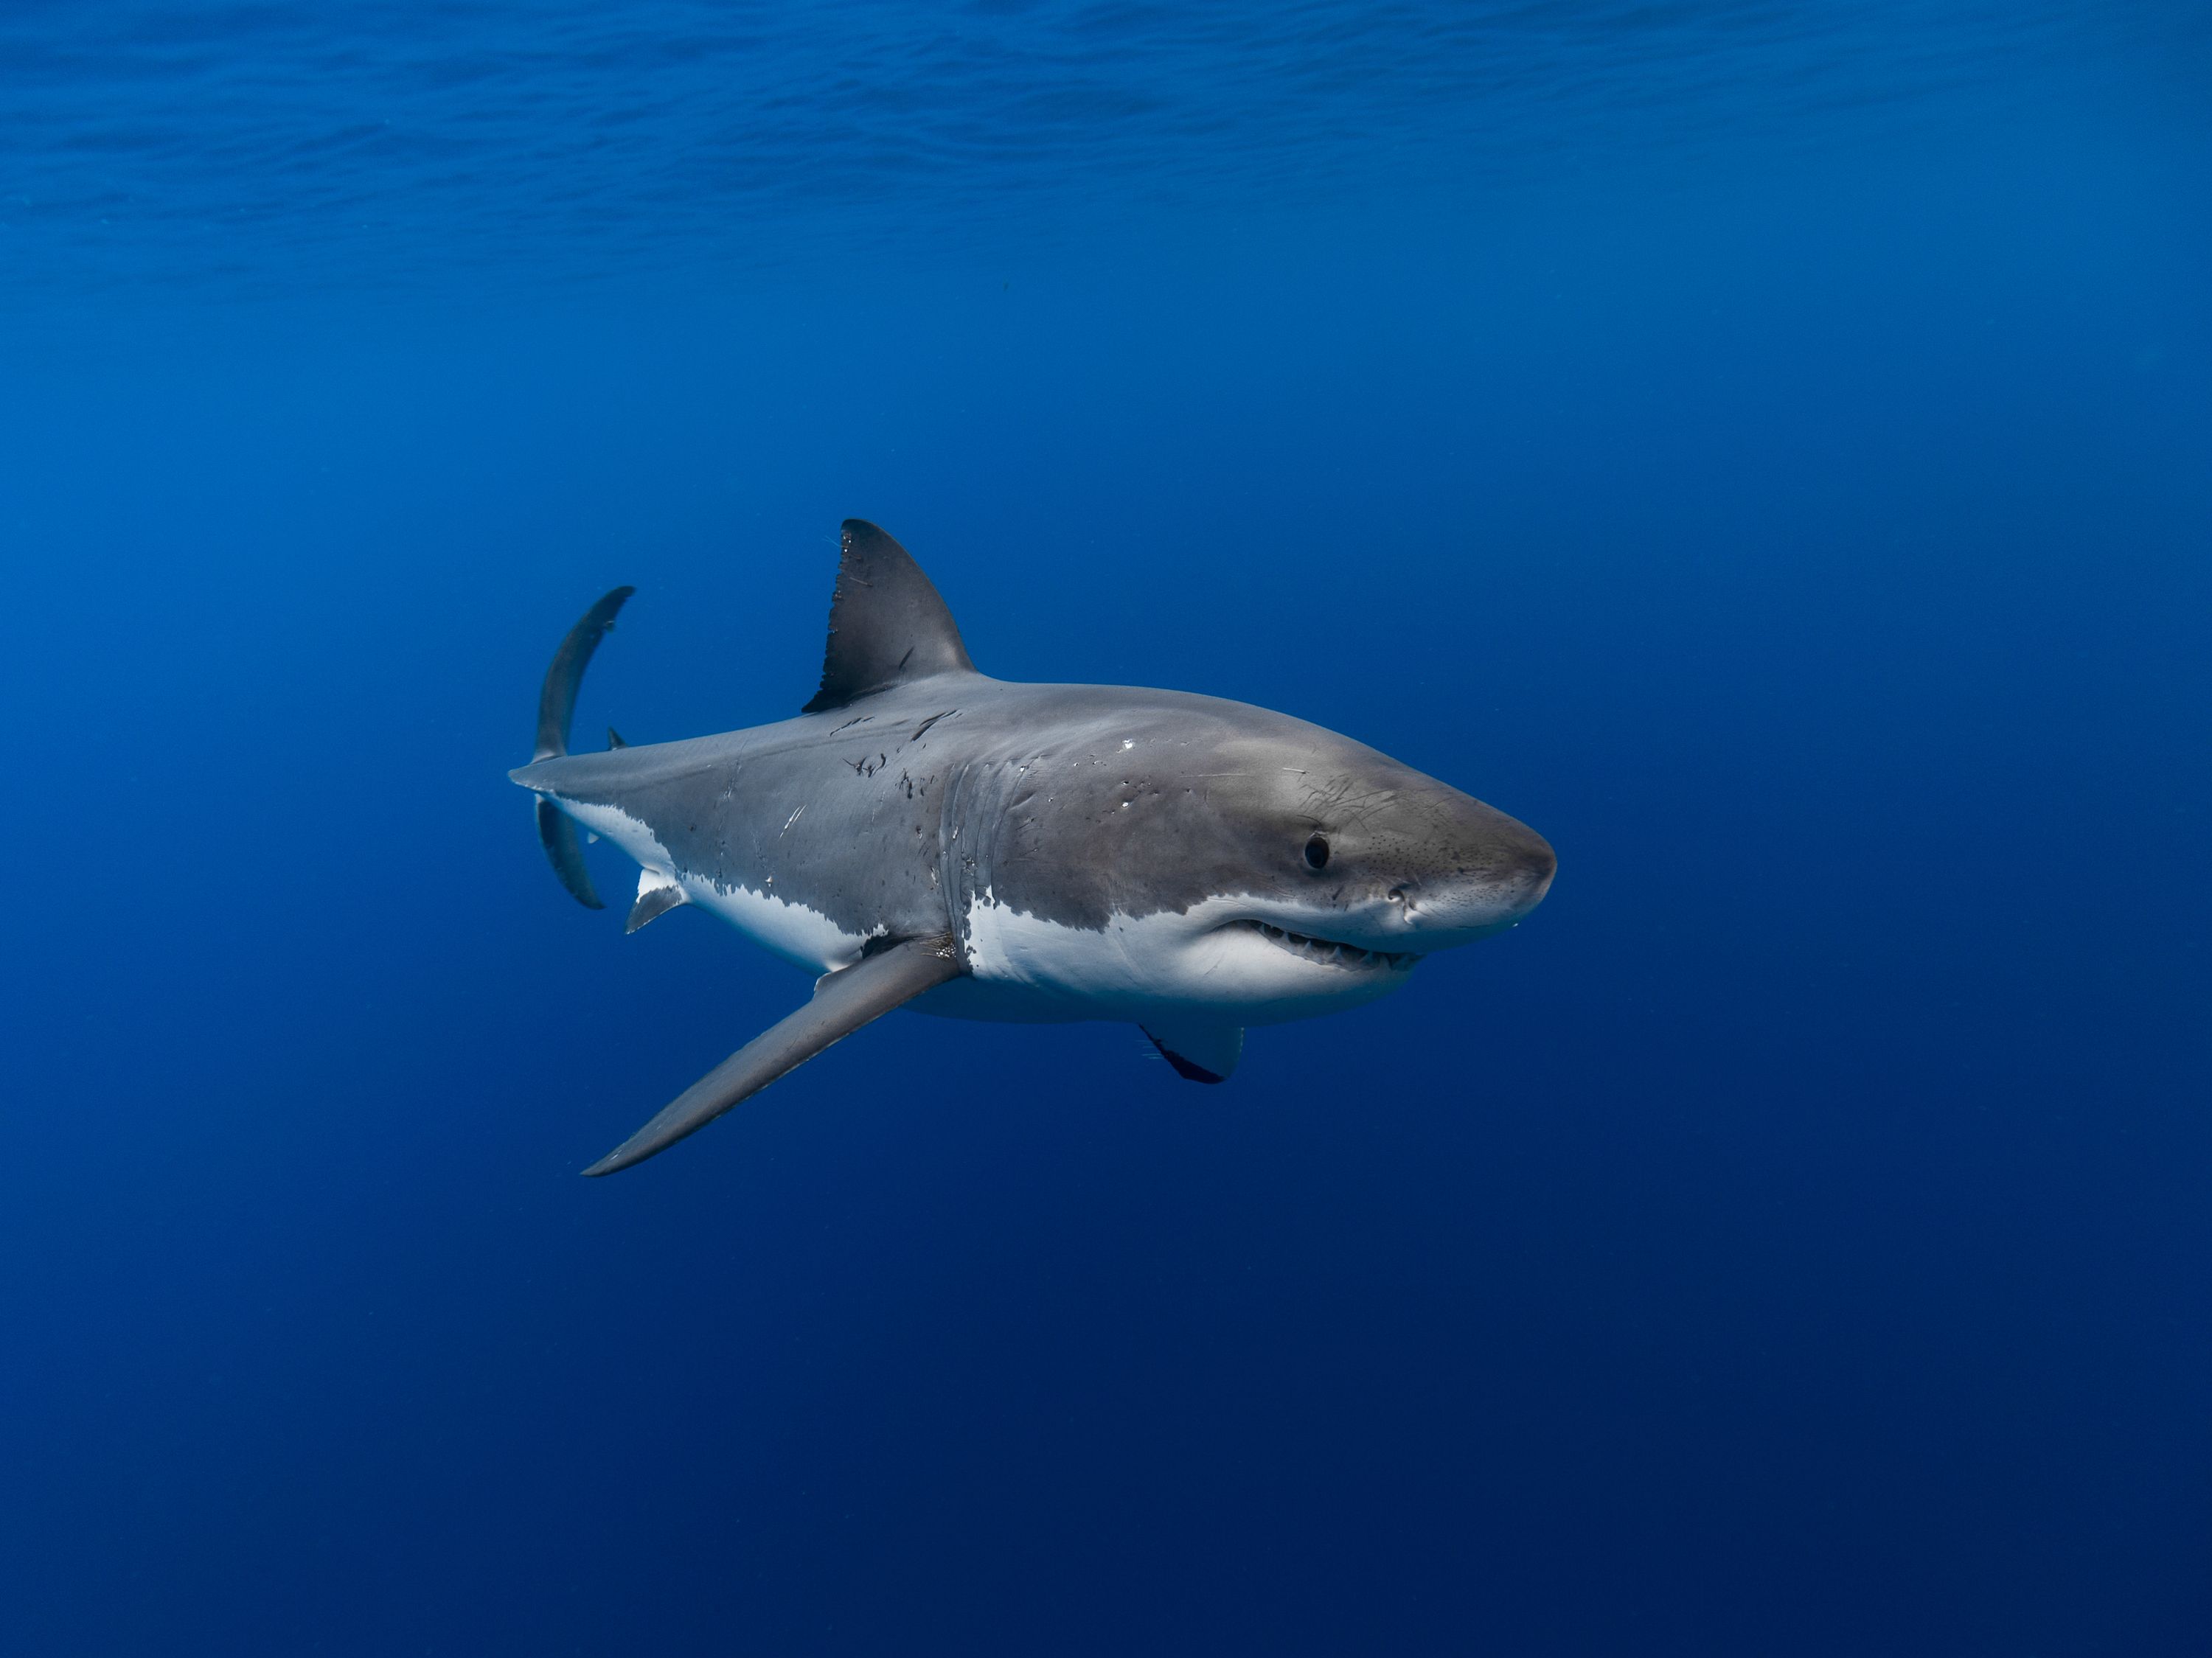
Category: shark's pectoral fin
[657,894]
[1202,1053]
[843,1002]
[557,833]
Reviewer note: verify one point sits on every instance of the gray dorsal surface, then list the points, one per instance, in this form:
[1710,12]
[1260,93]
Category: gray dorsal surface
[887,622]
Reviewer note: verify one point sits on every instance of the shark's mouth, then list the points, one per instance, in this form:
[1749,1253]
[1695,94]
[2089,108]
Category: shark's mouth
[1329,952]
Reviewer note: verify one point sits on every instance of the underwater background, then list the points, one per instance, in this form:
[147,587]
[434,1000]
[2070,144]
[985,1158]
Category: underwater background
[1766,447]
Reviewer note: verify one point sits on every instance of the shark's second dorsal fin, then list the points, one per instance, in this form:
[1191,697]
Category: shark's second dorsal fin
[887,624]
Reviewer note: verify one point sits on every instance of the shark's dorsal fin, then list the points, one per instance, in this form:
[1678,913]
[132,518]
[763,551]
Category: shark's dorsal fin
[887,624]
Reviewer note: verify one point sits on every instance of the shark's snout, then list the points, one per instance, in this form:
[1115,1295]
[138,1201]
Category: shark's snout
[1530,866]
[1493,891]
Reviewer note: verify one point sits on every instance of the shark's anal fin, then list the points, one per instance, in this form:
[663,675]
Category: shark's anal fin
[887,622]
[843,1002]
[615,739]
[1200,1052]
[557,833]
[657,894]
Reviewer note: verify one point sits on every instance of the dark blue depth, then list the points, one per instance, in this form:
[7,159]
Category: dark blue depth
[1769,451]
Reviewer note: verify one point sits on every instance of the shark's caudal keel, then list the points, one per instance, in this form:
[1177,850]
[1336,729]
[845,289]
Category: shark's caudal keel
[922,832]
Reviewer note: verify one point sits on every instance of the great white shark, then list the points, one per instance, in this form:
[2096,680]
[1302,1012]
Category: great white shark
[923,834]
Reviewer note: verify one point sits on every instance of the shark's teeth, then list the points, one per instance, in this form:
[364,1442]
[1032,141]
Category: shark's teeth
[1330,953]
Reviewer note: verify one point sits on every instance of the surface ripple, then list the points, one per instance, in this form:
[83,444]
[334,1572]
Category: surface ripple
[150,142]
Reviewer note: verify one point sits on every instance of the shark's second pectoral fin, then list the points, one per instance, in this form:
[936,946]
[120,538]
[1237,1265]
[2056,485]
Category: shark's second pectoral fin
[657,894]
[843,1002]
[1201,1053]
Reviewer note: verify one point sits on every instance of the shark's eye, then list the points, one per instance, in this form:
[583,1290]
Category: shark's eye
[1318,853]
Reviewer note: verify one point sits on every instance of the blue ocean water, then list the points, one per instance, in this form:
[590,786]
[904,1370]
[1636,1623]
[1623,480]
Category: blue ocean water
[1767,447]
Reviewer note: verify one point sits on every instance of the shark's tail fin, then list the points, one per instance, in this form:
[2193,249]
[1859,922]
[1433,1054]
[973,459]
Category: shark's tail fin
[556,703]
[557,707]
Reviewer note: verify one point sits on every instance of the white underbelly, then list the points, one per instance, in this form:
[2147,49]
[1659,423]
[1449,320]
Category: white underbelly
[800,935]
[1194,964]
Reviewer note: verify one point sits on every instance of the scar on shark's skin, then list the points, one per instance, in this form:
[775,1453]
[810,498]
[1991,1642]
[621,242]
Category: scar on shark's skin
[1217,887]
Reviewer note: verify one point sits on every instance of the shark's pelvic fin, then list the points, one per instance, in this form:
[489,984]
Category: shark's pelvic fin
[657,894]
[887,623]
[1202,1053]
[843,1002]
[615,739]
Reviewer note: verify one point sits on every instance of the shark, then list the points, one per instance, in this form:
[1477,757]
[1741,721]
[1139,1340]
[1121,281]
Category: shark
[922,834]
